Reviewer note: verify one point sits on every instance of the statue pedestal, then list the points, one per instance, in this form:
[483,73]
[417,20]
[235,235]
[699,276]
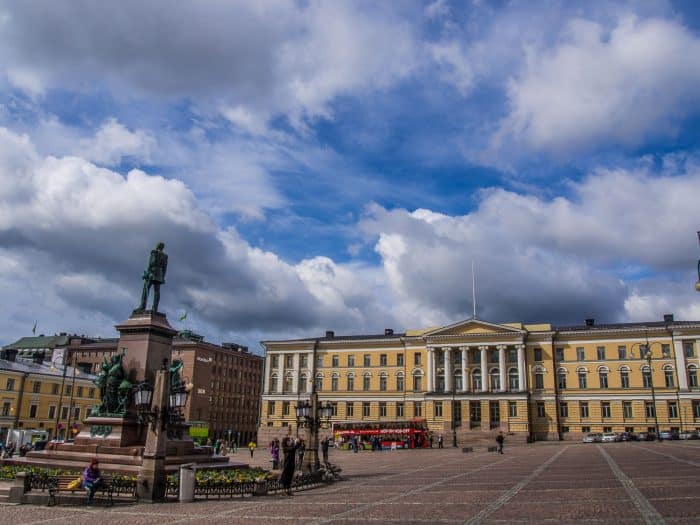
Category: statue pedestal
[111,432]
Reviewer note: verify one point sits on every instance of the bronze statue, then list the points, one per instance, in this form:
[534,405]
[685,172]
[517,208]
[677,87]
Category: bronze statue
[115,389]
[154,275]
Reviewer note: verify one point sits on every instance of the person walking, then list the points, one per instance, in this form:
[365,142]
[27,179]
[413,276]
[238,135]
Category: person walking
[92,479]
[289,447]
[440,440]
[499,440]
[251,447]
[324,448]
[275,452]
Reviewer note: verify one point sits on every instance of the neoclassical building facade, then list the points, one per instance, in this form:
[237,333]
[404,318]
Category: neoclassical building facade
[472,378]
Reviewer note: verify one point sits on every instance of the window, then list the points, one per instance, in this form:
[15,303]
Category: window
[382,409]
[668,376]
[365,382]
[366,360]
[538,354]
[512,355]
[627,409]
[649,409]
[563,409]
[693,378]
[688,349]
[399,409]
[32,410]
[334,409]
[493,356]
[319,361]
[303,361]
[513,380]
[582,380]
[417,409]
[54,389]
[559,354]
[624,378]
[539,380]
[334,361]
[672,409]
[666,350]
[37,387]
[69,389]
[417,383]
[605,409]
[319,382]
[76,413]
[365,409]
[64,412]
[350,409]
[561,380]
[275,361]
[540,409]
[382,359]
[603,377]
[585,429]
[51,414]
[351,383]
[351,360]
[622,352]
[438,408]
[600,352]
[646,377]
[10,384]
[289,361]
[476,380]
[399,383]
[583,409]
[80,391]
[580,354]
[382,382]
[285,408]
[696,409]
[288,382]
[270,408]
[6,408]
[303,382]
[416,359]
[512,409]
[457,357]
[495,380]
[399,359]
[334,383]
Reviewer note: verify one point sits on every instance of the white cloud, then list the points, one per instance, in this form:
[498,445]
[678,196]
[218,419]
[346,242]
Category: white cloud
[599,87]
[456,69]
[113,141]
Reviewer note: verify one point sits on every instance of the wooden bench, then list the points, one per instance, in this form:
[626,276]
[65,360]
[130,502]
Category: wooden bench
[105,489]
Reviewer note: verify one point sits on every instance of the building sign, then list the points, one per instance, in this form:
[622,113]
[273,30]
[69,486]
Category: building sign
[204,359]
[201,391]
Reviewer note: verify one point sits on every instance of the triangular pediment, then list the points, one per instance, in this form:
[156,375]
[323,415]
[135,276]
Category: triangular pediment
[476,326]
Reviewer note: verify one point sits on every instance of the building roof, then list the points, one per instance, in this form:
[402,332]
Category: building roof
[43,369]
[626,326]
[39,342]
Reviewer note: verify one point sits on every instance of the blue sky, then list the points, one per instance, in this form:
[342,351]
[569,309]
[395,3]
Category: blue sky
[325,165]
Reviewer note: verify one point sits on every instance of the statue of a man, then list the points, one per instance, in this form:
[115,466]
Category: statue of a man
[154,276]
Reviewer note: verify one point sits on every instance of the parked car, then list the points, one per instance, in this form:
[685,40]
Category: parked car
[627,436]
[688,435]
[593,438]
[667,435]
[609,437]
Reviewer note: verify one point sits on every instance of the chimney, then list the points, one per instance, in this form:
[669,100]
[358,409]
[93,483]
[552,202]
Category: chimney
[388,331]
[590,322]
[330,334]
[668,318]
[10,354]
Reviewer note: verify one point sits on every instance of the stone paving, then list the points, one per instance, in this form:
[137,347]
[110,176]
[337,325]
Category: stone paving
[612,483]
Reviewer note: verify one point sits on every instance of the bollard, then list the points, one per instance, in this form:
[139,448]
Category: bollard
[187,472]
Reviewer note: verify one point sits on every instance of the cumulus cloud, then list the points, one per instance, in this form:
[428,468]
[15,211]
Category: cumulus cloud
[600,87]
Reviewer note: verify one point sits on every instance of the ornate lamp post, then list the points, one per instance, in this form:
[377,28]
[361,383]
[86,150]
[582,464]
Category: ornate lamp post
[645,353]
[313,416]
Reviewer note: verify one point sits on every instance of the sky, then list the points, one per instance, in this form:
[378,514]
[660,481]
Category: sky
[322,165]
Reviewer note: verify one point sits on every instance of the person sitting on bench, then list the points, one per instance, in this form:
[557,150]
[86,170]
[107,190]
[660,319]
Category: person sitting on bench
[92,479]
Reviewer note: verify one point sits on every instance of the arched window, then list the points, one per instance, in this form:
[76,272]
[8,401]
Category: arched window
[273,383]
[303,383]
[334,382]
[440,380]
[417,381]
[646,377]
[603,376]
[692,376]
[351,382]
[319,382]
[457,380]
[668,376]
[366,377]
[513,379]
[561,379]
[288,382]
[495,380]
[476,380]
[400,382]
[383,382]
[624,377]
[582,378]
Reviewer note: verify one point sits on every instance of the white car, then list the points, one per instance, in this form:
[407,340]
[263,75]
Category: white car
[593,438]
[609,437]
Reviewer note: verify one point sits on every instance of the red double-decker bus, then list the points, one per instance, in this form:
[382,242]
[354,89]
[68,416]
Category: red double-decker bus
[412,433]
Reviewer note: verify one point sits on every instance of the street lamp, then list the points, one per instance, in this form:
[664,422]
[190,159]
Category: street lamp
[313,416]
[454,415]
[645,353]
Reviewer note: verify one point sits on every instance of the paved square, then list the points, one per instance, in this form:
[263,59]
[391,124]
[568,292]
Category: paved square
[612,483]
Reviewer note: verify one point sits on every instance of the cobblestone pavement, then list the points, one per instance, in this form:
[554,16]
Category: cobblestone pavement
[612,483]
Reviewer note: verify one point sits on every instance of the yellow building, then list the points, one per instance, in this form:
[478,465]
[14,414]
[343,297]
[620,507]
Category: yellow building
[39,396]
[474,378]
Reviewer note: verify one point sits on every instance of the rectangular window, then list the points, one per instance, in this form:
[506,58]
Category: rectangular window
[693,378]
[605,409]
[382,409]
[32,410]
[512,409]
[672,409]
[275,361]
[319,361]
[69,389]
[270,408]
[580,354]
[335,361]
[76,413]
[538,354]
[334,409]
[603,377]
[563,409]
[365,409]
[539,381]
[64,412]
[457,357]
[622,352]
[540,409]
[303,361]
[417,409]
[559,354]
[366,360]
[365,383]
[37,387]
[351,360]
[399,359]
[512,355]
[583,409]
[52,412]
[688,349]
[416,359]
[564,430]
[80,391]
[399,409]
[438,408]
[349,409]
[585,429]
[382,359]
[696,409]
[289,361]
[10,384]
[665,350]
[54,389]
[627,409]
[6,408]
[285,408]
[649,410]
[600,352]
[493,356]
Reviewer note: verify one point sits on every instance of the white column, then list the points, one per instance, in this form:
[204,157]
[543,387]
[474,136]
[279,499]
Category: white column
[484,369]
[431,369]
[295,386]
[447,363]
[268,362]
[280,373]
[465,383]
[502,367]
[521,368]
[680,364]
